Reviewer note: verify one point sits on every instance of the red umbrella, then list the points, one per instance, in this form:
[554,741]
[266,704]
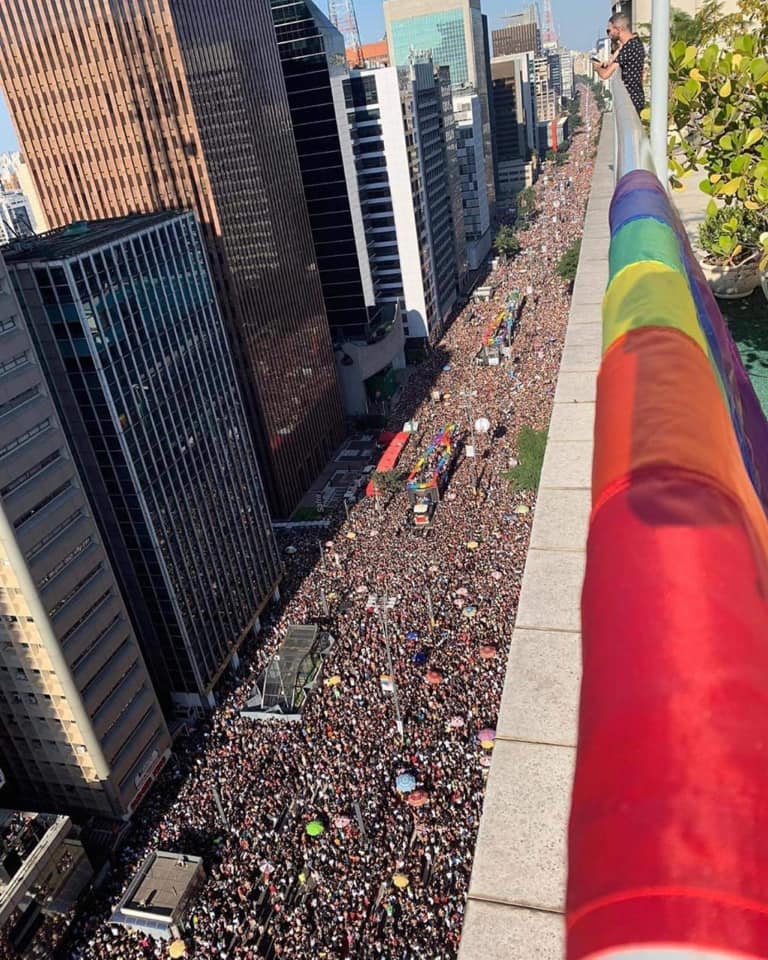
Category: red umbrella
[487,651]
[417,799]
[433,677]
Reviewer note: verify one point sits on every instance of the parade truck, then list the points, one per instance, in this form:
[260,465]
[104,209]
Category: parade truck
[498,335]
[429,476]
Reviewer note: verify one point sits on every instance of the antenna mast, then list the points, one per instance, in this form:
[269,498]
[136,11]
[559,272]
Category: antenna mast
[343,17]
[549,32]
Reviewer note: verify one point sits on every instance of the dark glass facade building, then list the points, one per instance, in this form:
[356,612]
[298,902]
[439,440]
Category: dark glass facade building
[128,325]
[126,106]
[311,53]
[81,727]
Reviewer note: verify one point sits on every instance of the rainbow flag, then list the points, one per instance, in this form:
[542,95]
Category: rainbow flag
[668,841]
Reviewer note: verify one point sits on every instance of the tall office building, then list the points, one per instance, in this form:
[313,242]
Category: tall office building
[453,34]
[28,188]
[522,34]
[547,99]
[125,315]
[430,125]
[126,106]
[471,158]
[567,77]
[397,143]
[81,728]
[367,334]
[515,127]
[311,53]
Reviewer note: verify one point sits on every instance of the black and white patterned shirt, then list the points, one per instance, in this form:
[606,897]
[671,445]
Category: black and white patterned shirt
[631,59]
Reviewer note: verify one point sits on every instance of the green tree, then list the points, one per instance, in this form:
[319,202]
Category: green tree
[531,445]
[526,204]
[569,262]
[388,481]
[506,242]
[549,155]
[719,119]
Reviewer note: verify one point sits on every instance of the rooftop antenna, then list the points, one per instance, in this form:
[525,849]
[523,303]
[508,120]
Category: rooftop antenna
[549,32]
[343,17]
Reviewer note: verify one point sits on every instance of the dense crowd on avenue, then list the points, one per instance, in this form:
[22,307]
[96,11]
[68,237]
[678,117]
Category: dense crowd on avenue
[386,874]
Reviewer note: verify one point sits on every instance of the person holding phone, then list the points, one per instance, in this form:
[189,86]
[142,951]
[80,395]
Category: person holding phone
[630,59]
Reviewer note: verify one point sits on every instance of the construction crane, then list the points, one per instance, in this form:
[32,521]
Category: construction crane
[343,17]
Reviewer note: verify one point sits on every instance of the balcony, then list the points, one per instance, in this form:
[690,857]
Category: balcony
[658,452]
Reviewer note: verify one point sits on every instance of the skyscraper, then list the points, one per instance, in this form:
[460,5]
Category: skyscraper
[515,128]
[126,319]
[451,32]
[80,725]
[397,125]
[471,158]
[313,59]
[28,188]
[140,105]
[311,53]
[522,34]
[547,99]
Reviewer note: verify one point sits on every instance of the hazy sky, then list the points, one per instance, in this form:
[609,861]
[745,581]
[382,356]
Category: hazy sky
[579,23]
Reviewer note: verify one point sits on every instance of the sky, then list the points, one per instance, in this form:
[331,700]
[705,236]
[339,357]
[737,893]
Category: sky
[579,23]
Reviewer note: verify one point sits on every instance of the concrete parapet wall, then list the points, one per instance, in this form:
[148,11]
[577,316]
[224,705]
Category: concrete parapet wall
[517,890]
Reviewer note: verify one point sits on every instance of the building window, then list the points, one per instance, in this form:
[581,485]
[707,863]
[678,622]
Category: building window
[25,437]
[14,362]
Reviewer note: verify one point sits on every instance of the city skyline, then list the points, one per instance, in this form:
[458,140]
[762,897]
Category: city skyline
[578,27]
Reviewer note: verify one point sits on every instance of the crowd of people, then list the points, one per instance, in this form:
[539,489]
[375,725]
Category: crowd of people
[386,874]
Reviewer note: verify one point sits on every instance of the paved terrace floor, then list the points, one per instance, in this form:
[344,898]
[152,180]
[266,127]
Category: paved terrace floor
[517,890]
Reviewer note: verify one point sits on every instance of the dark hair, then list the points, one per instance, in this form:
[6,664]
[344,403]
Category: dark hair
[620,20]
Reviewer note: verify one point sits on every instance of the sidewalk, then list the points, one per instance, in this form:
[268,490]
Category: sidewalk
[517,889]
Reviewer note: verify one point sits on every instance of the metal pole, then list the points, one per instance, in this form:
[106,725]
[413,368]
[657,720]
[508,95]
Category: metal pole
[430,608]
[360,821]
[219,806]
[467,397]
[323,599]
[660,88]
[390,667]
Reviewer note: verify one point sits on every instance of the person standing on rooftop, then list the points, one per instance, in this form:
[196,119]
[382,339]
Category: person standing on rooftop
[630,58]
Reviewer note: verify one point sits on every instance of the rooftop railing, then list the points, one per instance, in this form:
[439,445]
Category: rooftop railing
[668,840]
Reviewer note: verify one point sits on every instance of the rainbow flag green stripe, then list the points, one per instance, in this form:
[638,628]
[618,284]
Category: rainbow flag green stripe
[644,239]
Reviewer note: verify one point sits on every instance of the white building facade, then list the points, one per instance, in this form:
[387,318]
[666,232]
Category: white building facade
[471,158]
[387,111]
[15,216]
